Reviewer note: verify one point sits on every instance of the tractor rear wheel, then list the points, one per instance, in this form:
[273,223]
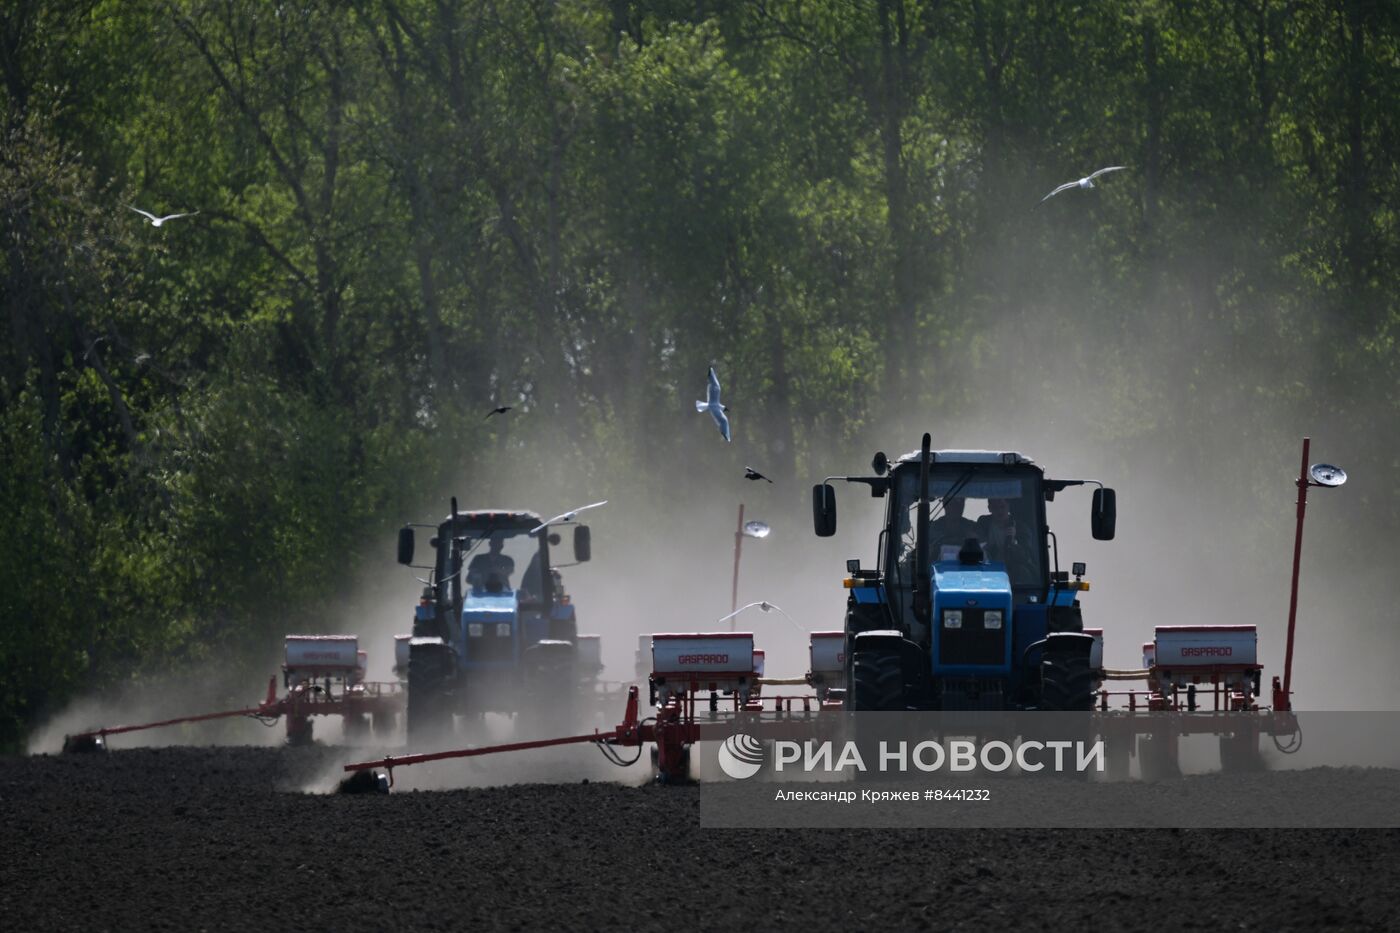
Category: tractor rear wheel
[429,715]
[550,684]
[877,681]
[1066,683]
[877,686]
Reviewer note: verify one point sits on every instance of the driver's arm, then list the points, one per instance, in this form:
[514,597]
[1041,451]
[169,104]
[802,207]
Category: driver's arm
[477,570]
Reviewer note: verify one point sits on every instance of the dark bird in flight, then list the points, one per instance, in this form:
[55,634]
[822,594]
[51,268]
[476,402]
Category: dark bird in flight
[498,411]
[752,474]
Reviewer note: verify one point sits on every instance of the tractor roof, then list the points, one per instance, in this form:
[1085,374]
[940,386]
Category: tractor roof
[970,456]
[496,520]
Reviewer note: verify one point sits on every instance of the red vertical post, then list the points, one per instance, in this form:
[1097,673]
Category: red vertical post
[1284,700]
[738,549]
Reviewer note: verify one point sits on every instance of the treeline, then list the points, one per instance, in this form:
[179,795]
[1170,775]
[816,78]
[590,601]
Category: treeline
[413,211]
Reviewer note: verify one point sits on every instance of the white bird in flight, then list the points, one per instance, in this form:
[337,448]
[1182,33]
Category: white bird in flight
[157,221]
[766,606]
[713,406]
[1085,182]
[566,517]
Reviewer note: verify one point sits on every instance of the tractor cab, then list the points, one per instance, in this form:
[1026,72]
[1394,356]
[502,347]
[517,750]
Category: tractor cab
[495,621]
[995,498]
[967,597]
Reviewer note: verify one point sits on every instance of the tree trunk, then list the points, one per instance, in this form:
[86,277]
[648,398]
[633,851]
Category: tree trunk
[901,324]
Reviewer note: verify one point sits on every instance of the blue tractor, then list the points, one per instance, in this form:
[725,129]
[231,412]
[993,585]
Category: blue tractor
[494,631]
[966,613]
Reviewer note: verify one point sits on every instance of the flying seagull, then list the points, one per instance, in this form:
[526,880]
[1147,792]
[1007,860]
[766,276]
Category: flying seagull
[752,474]
[566,517]
[1085,182]
[713,406]
[498,411]
[766,606]
[157,221]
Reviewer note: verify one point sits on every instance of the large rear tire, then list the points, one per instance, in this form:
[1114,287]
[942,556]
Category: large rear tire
[877,686]
[877,681]
[551,685]
[429,711]
[1067,683]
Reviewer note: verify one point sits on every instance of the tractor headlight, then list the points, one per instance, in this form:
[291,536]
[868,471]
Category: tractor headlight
[992,619]
[473,629]
[952,618]
[502,629]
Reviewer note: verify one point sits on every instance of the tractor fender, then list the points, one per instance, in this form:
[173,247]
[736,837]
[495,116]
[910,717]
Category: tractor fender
[872,638]
[1074,644]
[549,652]
[435,656]
[431,645]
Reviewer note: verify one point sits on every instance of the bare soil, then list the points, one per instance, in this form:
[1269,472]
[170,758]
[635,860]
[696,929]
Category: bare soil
[229,838]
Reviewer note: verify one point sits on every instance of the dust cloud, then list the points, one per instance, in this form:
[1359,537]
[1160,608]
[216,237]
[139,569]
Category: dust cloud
[206,688]
[1205,529]
[1195,544]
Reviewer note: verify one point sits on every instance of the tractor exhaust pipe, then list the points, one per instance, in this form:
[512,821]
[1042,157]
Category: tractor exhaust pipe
[922,583]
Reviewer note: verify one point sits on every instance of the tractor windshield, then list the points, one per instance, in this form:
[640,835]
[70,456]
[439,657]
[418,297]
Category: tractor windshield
[502,562]
[995,504]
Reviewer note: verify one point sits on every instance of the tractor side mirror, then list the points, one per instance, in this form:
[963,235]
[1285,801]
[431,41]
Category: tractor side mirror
[824,510]
[406,546]
[1103,521]
[583,544]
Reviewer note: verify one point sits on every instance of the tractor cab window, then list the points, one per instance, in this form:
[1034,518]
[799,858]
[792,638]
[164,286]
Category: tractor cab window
[494,561]
[999,511]
[531,582]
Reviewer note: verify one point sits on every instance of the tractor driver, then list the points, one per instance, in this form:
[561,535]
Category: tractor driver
[951,530]
[491,571]
[1006,539]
